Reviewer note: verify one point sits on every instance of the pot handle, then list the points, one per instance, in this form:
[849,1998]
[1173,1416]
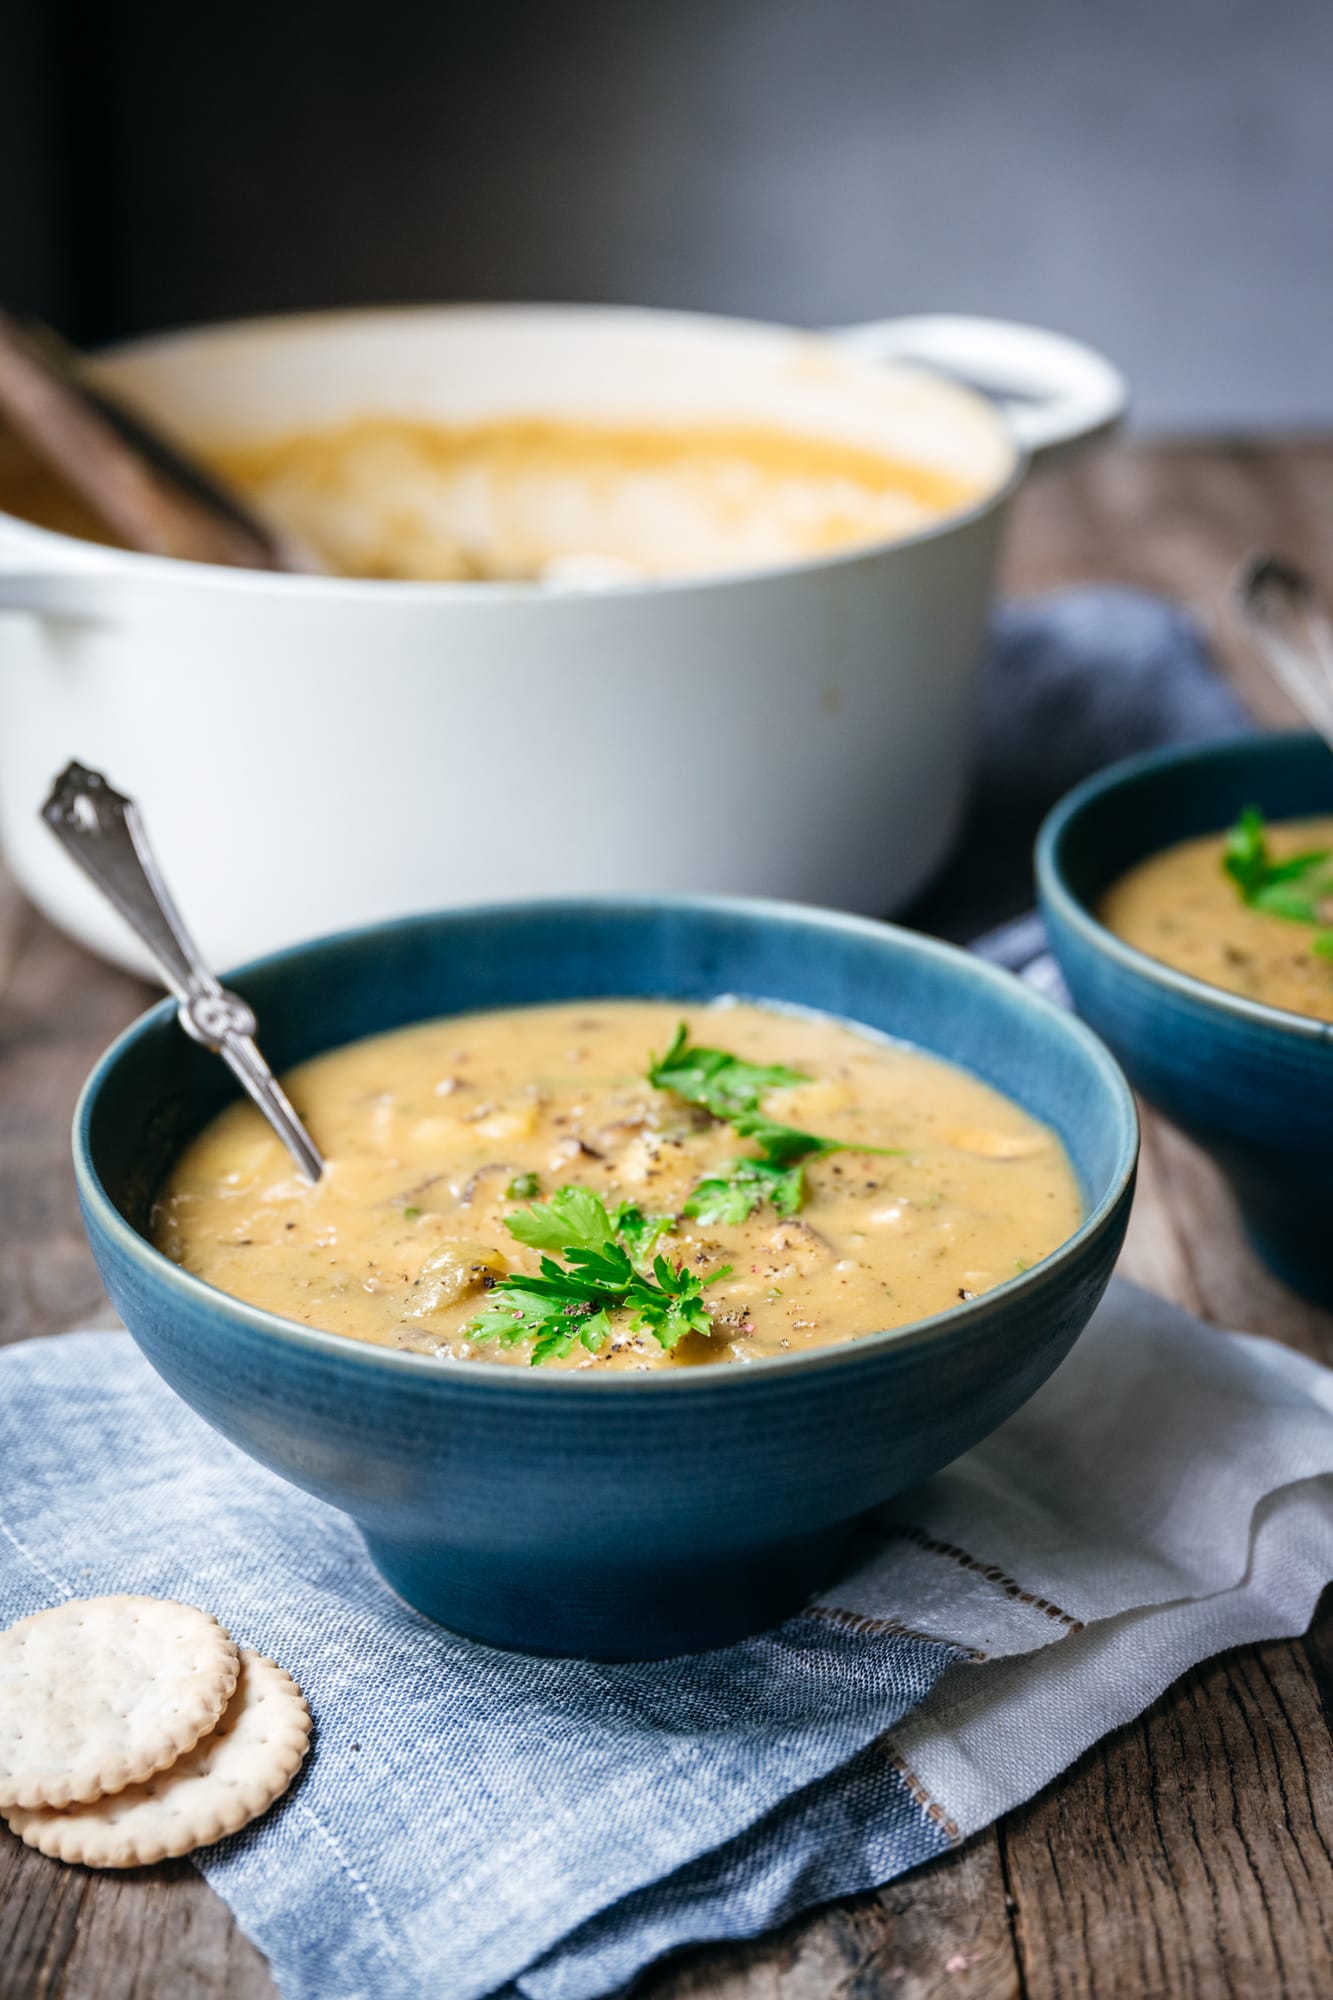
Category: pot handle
[1053,392]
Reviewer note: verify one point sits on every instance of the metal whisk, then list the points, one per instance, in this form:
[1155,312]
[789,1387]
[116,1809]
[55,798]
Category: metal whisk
[1287,613]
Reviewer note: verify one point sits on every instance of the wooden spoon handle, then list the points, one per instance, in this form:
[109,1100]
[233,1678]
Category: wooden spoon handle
[143,488]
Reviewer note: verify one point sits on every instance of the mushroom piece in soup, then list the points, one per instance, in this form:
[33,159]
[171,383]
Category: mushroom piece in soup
[597,1185]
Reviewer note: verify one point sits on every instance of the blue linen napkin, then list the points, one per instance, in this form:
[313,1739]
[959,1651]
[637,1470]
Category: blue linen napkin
[472,1821]
[1061,705]
[1076,680]
[463,1809]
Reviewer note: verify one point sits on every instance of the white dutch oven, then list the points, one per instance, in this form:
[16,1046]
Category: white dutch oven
[313,753]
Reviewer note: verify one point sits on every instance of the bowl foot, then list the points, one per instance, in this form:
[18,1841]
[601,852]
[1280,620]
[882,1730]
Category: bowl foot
[648,1610]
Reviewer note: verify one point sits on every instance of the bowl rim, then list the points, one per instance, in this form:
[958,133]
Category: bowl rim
[101,563]
[1055,892]
[480,1374]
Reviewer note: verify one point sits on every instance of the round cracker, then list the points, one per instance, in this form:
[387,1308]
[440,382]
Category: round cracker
[229,1778]
[100,1692]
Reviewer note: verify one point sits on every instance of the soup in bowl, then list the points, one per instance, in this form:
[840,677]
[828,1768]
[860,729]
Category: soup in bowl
[1247,908]
[616,1509]
[538,1183]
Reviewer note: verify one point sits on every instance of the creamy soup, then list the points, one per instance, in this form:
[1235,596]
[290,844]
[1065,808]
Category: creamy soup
[577,503]
[1181,906]
[562,503]
[442,1139]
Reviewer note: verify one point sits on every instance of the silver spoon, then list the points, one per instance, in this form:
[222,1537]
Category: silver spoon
[105,833]
[1288,616]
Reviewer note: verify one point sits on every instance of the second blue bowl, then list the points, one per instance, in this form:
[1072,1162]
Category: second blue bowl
[1249,1083]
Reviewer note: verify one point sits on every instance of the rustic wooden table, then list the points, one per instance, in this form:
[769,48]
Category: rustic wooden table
[1190,1854]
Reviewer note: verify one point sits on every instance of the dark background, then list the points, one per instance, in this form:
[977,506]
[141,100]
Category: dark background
[1155,175]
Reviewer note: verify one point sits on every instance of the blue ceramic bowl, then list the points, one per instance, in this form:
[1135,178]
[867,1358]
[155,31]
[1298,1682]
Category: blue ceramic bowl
[611,1515]
[1250,1084]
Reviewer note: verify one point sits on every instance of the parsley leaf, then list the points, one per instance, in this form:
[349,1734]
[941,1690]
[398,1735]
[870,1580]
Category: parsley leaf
[1245,858]
[784,1145]
[721,1083]
[573,1219]
[1299,889]
[738,1189]
[731,1089]
[601,1274]
[684,1310]
[1298,898]
[640,1232]
[523,1187]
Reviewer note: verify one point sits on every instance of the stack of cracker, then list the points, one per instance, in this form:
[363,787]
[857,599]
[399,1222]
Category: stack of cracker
[132,1729]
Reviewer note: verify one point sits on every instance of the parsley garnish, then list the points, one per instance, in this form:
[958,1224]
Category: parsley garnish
[523,1187]
[737,1191]
[784,1145]
[721,1083]
[601,1274]
[730,1089]
[639,1232]
[1300,889]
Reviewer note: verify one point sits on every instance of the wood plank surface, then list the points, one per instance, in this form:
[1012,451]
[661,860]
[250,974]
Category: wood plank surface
[1189,1854]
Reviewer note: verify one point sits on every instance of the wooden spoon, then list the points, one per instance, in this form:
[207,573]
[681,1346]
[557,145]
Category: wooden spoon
[143,488]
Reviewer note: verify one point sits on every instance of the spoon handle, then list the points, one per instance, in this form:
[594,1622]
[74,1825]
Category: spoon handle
[104,832]
[1290,618]
[148,491]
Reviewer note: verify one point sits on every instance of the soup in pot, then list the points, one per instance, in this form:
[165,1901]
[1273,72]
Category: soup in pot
[1250,911]
[562,502]
[549,501]
[597,1185]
